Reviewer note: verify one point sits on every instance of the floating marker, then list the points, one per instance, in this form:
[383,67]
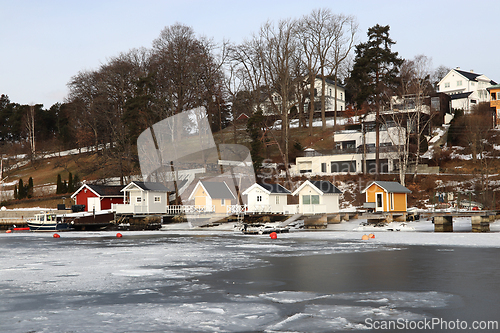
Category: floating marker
[8,231]
[365,237]
[119,235]
[56,236]
[273,235]
[371,236]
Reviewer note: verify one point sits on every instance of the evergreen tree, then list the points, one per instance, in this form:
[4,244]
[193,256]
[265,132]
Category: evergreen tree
[254,125]
[71,187]
[76,182]
[375,69]
[59,184]
[64,187]
[373,77]
[20,192]
[29,191]
[15,192]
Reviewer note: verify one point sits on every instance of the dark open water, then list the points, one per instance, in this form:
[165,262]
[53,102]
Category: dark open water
[159,282]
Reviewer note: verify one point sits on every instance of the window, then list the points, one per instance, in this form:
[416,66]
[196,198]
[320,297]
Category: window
[493,96]
[259,198]
[349,145]
[447,84]
[323,167]
[277,199]
[459,83]
[310,199]
[341,97]
[392,201]
[138,199]
[222,202]
[157,199]
[315,199]
[345,166]
[330,92]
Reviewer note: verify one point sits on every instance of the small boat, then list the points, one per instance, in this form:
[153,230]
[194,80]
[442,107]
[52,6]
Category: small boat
[47,221]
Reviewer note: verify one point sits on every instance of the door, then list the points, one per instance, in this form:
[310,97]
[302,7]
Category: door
[93,204]
[379,206]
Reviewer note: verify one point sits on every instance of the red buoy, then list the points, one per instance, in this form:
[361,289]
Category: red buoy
[9,231]
[119,235]
[56,236]
[273,235]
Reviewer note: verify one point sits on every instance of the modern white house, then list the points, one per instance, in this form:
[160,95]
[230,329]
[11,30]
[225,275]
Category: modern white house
[355,149]
[143,198]
[466,88]
[318,197]
[268,198]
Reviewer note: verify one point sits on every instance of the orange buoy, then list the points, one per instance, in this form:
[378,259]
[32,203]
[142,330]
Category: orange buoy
[56,236]
[8,231]
[273,235]
[365,237]
[371,236]
[119,235]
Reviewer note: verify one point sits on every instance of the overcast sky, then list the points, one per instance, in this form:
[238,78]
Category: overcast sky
[44,43]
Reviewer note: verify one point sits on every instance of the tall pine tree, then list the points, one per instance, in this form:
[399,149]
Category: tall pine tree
[21,193]
[372,79]
[29,190]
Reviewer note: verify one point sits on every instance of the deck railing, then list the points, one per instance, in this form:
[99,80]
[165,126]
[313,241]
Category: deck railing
[189,209]
[236,209]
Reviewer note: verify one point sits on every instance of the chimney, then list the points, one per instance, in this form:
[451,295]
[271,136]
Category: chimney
[472,71]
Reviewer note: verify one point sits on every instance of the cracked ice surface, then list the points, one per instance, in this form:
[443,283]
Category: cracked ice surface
[203,282]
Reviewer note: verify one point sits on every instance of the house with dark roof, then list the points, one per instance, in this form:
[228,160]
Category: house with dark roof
[466,88]
[268,198]
[97,197]
[388,197]
[144,198]
[318,197]
[214,196]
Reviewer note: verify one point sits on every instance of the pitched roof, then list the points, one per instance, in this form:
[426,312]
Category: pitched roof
[325,186]
[154,187]
[106,190]
[321,186]
[101,190]
[391,187]
[218,190]
[461,95]
[469,75]
[274,188]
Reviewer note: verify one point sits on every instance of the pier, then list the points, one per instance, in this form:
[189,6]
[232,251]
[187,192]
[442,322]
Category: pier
[480,219]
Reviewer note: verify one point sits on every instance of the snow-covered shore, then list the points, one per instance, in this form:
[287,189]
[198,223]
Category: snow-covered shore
[408,233]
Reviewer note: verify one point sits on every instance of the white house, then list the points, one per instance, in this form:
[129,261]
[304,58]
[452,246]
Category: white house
[466,89]
[318,197]
[143,198]
[267,198]
[329,98]
[354,149]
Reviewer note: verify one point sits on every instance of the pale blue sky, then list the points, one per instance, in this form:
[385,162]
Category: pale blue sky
[44,43]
